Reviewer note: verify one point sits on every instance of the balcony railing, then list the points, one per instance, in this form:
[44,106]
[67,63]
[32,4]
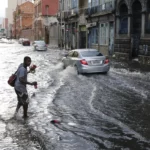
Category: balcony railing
[70,13]
[109,6]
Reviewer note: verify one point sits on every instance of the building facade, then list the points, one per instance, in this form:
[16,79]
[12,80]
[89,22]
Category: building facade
[88,24]
[19,2]
[45,21]
[12,4]
[5,24]
[23,18]
[68,20]
[132,28]
[9,14]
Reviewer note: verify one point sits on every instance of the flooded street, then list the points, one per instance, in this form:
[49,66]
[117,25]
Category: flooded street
[96,111]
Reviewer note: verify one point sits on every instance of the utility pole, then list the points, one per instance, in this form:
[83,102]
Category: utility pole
[61,24]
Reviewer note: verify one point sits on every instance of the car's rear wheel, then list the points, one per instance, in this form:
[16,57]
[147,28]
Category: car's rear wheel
[105,72]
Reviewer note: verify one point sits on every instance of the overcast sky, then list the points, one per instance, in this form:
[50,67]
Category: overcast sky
[3,5]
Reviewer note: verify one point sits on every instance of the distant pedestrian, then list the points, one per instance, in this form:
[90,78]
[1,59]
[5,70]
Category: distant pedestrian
[20,86]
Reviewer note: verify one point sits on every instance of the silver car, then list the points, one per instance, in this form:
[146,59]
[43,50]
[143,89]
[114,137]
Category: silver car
[20,40]
[40,45]
[86,61]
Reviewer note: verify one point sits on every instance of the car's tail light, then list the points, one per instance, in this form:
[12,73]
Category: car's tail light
[84,62]
[106,61]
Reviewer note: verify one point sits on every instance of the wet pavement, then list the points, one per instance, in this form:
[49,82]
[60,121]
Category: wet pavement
[96,112]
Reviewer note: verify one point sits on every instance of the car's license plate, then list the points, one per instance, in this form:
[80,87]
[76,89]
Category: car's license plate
[95,62]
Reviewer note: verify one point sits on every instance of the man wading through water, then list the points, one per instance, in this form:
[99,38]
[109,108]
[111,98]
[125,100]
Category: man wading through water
[20,86]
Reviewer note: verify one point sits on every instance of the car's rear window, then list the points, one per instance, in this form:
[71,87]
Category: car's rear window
[40,42]
[90,53]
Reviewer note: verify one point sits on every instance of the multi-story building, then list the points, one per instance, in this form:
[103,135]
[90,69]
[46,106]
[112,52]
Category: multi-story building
[5,24]
[4,28]
[9,14]
[12,4]
[132,28]
[23,18]
[100,26]
[68,19]
[45,21]
[88,23]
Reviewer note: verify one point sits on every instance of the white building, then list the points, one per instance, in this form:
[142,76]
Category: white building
[9,14]
[9,11]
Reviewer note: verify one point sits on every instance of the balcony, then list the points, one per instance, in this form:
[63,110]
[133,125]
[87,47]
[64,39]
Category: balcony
[107,7]
[70,13]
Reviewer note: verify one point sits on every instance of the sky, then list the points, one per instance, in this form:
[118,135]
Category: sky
[2,8]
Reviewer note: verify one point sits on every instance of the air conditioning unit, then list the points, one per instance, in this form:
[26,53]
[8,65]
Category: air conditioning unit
[103,7]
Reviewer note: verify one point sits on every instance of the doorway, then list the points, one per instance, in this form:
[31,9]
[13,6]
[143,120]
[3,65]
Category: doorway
[83,37]
[111,41]
[136,27]
[46,35]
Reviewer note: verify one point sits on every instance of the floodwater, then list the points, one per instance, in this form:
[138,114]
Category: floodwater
[96,111]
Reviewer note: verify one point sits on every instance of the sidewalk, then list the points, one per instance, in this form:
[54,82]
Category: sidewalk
[132,65]
[53,46]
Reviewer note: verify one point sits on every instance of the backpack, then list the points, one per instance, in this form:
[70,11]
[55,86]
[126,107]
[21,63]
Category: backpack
[12,79]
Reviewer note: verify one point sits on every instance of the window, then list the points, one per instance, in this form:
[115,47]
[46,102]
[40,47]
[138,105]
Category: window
[75,54]
[70,54]
[104,1]
[94,35]
[147,23]
[123,19]
[94,3]
[74,3]
[92,53]
[46,9]
[62,3]
[89,3]
[147,18]
[123,25]
[104,31]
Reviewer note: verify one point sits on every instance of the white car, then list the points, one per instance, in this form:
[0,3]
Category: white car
[20,40]
[39,46]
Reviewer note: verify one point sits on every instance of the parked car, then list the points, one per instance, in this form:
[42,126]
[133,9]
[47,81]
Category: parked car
[40,45]
[86,61]
[20,40]
[26,42]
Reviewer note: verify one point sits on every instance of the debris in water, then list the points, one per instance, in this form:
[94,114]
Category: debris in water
[71,124]
[55,121]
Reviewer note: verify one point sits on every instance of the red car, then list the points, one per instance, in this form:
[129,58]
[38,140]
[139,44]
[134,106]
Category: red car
[26,42]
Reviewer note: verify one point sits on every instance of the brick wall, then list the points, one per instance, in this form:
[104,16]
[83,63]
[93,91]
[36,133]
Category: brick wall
[53,7]
[26,21]
[27,7]
[28,33]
